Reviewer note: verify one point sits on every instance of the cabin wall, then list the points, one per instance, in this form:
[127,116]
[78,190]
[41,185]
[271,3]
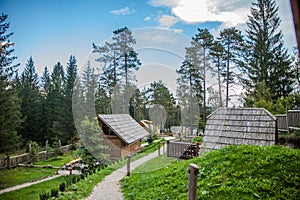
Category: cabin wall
[126,150]
[115,146]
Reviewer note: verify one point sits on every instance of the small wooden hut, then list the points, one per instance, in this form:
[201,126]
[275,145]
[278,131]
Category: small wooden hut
[227,126]
[122,134]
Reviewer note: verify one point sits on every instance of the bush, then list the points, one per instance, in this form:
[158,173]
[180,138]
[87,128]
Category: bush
[34,152]
[44,196]
[54,192]
[62,187]
[198,139]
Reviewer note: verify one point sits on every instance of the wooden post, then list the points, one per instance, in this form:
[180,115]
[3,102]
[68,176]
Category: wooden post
[8,161]
[168,142]
[128,165]
[163,147]
[193,174]
[158,149]
[287,120]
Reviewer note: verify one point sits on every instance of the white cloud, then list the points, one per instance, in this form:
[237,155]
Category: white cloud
[147,18]
[164,3]
[167,20]
[196,11]
[176,30]
[122,11]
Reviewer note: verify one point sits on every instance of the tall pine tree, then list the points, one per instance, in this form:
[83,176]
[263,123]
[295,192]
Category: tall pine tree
[31,104]
[9,101]
[266,60]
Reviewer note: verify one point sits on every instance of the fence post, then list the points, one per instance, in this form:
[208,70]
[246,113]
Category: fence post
[193,174]
[158,149]
[47,150]
[168,142]
[8,161]
[128,165]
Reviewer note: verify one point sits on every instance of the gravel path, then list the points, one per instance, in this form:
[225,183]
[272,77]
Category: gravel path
[109,188]
[28,184]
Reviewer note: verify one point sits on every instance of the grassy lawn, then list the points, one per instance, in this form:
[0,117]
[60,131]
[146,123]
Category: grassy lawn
[16,176]
[234,172]
[79,190]
[154,164]
[32,192]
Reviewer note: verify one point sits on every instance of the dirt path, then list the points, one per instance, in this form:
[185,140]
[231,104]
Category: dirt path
[109,188]
[28,184]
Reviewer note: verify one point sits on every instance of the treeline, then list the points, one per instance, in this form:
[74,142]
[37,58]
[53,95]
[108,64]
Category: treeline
[52,106]
[266,74]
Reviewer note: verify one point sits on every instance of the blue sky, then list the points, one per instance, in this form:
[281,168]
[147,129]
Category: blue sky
[52,30]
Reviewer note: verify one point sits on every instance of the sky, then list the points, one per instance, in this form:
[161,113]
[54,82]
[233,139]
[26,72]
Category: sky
[52,30]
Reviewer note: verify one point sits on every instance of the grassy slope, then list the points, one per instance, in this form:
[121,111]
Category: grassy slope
[32,192]
[235,172]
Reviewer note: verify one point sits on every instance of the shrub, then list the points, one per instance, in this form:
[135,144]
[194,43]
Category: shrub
[198,139]
[54,192]
[44,196]
[62,187]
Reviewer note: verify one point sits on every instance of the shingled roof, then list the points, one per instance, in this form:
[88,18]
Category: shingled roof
[124,126]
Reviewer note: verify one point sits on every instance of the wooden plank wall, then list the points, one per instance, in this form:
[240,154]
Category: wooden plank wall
[228,126]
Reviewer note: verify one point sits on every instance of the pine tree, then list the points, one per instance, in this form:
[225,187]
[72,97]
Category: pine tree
[31,104]
[89,85]
[71,76]
[203,42]
[189,90]
[9,101]
[266,61]
[232,41]
[55,104]
[128,60]
[217,53]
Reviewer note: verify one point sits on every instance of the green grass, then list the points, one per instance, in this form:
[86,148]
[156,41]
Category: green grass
[85,187]
[234,172]
[16,176]
[154,164]
[32,192]
[79,190]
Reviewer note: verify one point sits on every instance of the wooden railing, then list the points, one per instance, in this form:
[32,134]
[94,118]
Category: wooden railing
[290,120]
[25,158]
[182,150]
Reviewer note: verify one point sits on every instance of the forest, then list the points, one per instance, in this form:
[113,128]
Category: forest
[47,107]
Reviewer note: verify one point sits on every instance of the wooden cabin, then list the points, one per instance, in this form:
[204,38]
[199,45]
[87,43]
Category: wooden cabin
[122,134]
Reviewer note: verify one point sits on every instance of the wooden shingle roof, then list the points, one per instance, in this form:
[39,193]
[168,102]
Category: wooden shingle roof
[124,126]
[228,126]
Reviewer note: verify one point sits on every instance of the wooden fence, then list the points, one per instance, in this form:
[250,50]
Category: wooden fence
[25,158]
[182,150]
[290,120]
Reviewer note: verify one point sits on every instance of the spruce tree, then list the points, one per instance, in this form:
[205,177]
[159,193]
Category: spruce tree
[31,104]
[266,61]
[9,101]
[71,76]
[55,104]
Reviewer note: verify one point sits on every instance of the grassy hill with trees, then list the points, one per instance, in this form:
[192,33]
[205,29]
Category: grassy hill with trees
[234,172]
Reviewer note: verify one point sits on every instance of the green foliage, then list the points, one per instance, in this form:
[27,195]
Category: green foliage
[198,139]
[234,172]
[94,149]
[45,195]
[9,101]
[266,59]
[33,153]
[33,191]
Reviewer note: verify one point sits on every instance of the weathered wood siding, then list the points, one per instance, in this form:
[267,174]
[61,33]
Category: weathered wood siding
[126,150]
[183,150]
[293,118]
[115,146]
[228,126]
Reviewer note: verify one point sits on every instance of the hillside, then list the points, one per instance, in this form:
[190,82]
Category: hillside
[234,172]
